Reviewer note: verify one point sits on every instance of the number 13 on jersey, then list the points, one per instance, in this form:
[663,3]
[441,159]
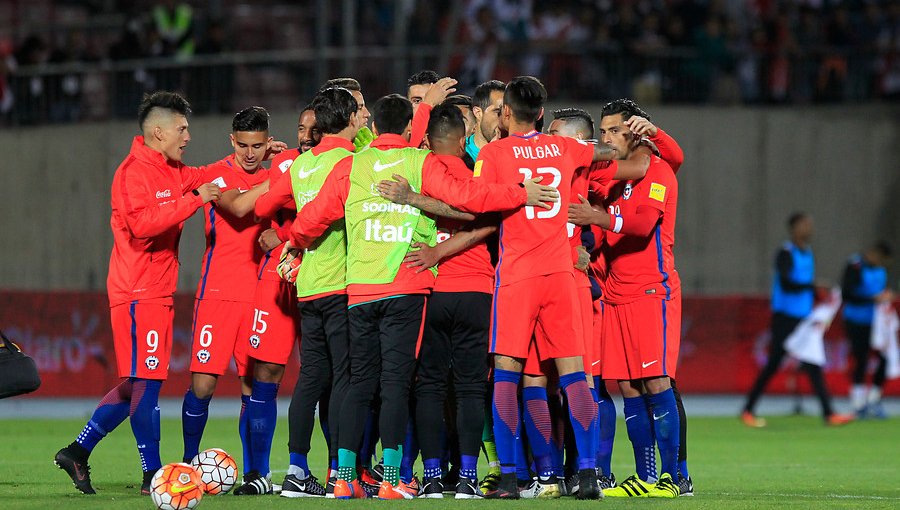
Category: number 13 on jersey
[557,179]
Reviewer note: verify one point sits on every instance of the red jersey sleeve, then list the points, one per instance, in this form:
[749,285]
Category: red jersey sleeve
[467,194]
[419,125]
[280,195]
[661,182]
[144,215]
[325,209]
[192,177]
[669,150]
[601,175]
[581,153]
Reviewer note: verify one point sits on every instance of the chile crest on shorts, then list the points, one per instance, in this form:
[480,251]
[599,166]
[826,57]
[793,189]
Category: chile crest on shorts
[203,356]
[151,362]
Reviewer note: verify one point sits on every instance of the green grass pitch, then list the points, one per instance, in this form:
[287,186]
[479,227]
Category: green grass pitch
[794,463]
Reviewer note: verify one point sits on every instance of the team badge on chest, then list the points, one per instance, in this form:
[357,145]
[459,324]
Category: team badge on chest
[626,193]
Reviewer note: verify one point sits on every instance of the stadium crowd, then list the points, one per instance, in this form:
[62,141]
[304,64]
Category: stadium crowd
[698,51]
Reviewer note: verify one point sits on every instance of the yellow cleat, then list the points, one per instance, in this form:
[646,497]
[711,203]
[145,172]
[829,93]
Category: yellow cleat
[665,487]
[632,487]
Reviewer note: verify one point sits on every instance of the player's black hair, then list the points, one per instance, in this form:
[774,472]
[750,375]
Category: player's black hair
[344,83]
[333,107]
[884,248]
[426,77]
[482,96]
[459,100]
[446,120]
[254,119]
[627,107]
[162,99]
[581,118]
[392,113]
[525,96]
[309,106]
[795,218]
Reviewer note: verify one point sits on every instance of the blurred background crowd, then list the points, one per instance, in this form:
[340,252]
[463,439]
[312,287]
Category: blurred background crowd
[69,60]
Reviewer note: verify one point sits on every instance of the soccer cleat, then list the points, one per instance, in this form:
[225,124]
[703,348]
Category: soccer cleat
[541,490]
[685,486]
[665,487]
[467,489]
[490,482]
[632,487]
[368,476]
[414,485]
[76,466]
[433,488]
[329,487]
[293,487]
[752,421]
[836,420]
[145,484]
[348,490]
[587,485]
[507,488]
[399,491]
[254,485]
[876,411]
[377,472]
[571,485]
[606,482]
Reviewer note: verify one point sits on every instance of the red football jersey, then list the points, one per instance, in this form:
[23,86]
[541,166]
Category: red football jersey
[639,266]
[228,270]
[283,218]
[469,270]
[534,241]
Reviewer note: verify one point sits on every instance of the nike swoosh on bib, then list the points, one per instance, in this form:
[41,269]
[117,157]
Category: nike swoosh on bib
[303,174]
[378,167]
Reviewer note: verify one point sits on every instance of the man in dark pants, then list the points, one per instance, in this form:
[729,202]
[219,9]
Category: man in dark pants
[865,284]
[792,301]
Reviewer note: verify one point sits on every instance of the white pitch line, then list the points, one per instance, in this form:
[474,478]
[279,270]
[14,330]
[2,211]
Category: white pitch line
[813,496]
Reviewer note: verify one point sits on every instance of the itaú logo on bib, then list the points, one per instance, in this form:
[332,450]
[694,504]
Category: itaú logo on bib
[379,233]
[166,193]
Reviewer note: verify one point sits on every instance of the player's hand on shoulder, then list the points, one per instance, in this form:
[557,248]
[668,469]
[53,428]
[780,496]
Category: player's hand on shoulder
[540,195]
[209,192]
[422,257]
[641,126]
[397,191]
[275,147]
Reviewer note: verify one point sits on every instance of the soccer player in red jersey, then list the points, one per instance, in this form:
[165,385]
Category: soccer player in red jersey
[534,282]
[425,90]
[223,308]
[153,193]
[387,299]
[457,321]
[642,294]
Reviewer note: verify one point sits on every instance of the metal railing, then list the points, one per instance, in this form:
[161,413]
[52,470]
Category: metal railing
[287,79]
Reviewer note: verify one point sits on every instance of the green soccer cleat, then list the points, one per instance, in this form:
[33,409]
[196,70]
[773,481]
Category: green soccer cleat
[665,487]
[631,487]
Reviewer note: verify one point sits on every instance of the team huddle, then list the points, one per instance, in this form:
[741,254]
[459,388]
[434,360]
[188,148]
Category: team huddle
[460,283]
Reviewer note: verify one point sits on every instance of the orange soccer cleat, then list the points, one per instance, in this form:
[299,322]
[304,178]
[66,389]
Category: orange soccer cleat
[348,490]
[752,421]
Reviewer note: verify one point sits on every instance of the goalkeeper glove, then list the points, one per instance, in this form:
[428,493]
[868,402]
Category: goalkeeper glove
[289,265]
[363,138]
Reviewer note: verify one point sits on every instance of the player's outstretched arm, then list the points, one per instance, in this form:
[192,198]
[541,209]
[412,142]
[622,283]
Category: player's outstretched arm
[424,256]
[316,216]
[400,192]
[278,196]
[241,204]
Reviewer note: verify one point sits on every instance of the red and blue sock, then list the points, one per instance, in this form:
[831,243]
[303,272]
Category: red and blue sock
[505,409]
[583,414]
[538,429]
[244,432]
[109,414]
[144,414]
